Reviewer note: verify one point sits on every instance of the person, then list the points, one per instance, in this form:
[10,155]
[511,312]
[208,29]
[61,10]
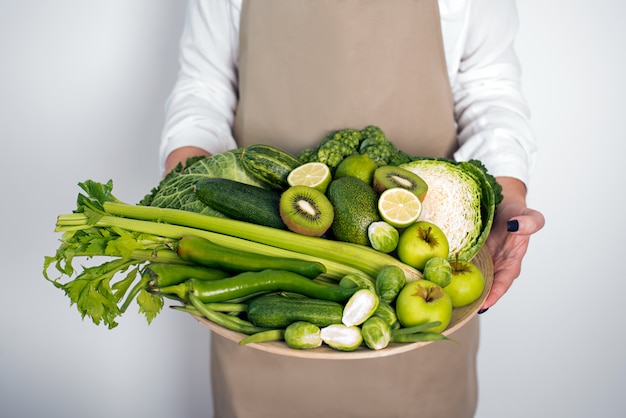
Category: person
[441,78]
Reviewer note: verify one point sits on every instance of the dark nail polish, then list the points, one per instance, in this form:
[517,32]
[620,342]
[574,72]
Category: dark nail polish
[512,226]
[482,311]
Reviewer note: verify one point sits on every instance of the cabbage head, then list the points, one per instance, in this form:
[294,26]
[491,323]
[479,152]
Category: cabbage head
[460,200]
[176,190]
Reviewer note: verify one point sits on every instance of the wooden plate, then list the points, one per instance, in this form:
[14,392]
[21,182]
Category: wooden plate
[459,317]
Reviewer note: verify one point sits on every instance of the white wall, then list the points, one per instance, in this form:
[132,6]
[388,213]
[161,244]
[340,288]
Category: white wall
[554,346]
[82,86]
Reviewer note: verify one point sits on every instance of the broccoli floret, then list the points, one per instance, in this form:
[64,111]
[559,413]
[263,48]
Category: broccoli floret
[332,153]
[400,157]
[349,137]
[376,145]
[372,134]
[381,152]
[338,145]
[308,155]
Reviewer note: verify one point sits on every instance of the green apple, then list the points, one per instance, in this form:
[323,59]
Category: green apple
[420,242]
[420,302]
[467,283]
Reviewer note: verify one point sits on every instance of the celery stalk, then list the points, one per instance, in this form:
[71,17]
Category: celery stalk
[364,259]
[335,270]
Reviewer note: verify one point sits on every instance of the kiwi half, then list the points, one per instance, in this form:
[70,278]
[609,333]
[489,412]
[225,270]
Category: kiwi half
[306,211]
[388,176]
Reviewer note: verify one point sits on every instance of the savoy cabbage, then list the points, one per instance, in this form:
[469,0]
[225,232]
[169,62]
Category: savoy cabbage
[176,190]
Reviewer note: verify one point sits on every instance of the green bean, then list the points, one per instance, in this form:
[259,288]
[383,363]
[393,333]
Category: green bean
[418,337]
[416,328]
[218,307]
[232,323]
[264,336]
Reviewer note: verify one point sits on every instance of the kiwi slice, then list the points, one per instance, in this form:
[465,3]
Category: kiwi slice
[306,211]
[388,176]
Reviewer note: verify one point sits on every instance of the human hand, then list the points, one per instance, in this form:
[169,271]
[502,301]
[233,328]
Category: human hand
[513,226]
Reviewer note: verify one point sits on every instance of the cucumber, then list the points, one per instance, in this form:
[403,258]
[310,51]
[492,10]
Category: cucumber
[269,165]
[279,311]
[241,201]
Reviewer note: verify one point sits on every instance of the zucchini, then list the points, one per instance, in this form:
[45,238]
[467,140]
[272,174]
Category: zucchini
[269,165]
[241,201]
[275,310]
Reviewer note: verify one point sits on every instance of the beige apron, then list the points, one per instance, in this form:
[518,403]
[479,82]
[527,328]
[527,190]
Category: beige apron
[307,67]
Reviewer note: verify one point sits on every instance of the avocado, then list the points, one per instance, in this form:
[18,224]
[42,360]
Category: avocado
[356,207]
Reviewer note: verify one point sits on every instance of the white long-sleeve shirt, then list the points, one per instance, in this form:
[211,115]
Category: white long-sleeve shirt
[484,72]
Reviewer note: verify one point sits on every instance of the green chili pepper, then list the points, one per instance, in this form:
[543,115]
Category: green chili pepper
[202,251]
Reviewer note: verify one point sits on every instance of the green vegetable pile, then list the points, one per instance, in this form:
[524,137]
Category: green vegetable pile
[244,276]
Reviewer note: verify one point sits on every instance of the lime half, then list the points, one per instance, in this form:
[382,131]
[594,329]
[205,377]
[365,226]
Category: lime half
[399,207]
[314,174]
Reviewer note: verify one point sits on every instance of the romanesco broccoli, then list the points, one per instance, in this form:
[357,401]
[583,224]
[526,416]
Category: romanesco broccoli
[333,152]
[372,135]
[349,137]
[338,145]
[308,155]
[380,152]
[400,157]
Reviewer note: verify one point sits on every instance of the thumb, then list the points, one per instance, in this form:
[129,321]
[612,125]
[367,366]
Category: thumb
[528,223]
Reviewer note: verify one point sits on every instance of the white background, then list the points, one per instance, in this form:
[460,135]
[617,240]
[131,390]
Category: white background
[82,87]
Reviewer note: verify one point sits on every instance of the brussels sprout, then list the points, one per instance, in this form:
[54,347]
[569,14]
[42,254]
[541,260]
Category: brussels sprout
[438,270]
[383,236]
[389,281]
[361,305]
[376,333]
[388,314]
[303,335]
[342,337]
[360,281]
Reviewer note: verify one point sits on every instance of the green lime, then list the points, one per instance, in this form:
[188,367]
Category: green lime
[315,175]
[360,166]
[399,207]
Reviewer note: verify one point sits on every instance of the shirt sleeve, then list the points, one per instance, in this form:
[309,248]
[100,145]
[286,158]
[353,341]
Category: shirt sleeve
[200,109]
[491,112]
